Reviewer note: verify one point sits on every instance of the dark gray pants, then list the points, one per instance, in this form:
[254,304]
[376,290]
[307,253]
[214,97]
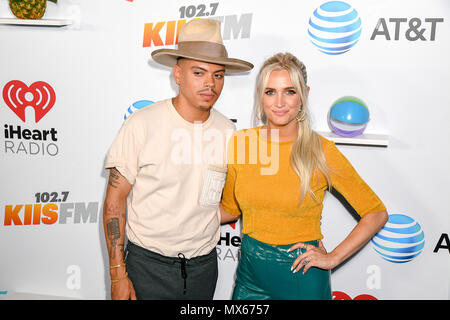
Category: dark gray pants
[156,277]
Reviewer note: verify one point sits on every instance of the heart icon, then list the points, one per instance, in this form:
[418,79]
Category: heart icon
[18,96]
[339,295]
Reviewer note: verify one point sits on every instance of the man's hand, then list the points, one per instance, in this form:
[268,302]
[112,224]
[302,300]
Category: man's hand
[123,290]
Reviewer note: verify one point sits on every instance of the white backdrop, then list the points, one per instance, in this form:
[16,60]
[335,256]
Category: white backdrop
[51,191]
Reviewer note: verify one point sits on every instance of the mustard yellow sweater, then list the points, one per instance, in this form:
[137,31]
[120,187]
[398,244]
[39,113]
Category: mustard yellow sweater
[268,197]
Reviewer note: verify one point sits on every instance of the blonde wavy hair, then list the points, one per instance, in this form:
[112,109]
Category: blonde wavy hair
[307,153]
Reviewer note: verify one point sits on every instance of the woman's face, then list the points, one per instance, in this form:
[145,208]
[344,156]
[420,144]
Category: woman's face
[281,101]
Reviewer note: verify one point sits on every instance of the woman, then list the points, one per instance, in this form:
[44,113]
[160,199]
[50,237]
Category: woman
[282,209]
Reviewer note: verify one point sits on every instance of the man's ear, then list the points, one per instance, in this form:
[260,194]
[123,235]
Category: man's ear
[176,73]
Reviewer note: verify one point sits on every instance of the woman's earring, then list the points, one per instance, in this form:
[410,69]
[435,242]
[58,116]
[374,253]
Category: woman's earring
[261,115]
[301,115]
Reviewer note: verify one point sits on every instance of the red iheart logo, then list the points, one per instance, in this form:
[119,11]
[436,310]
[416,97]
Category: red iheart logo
[339,295]
[18,96]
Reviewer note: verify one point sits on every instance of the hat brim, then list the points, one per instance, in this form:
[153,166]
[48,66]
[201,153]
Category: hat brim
[168,57]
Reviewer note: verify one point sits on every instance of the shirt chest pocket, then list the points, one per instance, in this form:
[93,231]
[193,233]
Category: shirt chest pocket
[212,186]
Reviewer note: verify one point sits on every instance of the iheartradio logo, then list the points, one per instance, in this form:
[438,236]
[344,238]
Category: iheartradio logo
[339,295]
[39,95]
[21,140]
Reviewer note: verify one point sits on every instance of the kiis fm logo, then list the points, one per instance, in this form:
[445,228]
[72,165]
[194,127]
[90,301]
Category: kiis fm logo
[50,207]
[233,26]
[18,97]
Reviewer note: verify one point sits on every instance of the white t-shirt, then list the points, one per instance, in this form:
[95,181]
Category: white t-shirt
[178,170]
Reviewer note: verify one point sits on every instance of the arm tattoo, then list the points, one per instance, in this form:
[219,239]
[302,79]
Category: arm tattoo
[113,229]
[114,177]
[113,232]
[114,211]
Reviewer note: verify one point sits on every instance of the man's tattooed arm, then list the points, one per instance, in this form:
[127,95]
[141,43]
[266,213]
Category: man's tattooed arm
[114,178]
[113,233]
[114,216]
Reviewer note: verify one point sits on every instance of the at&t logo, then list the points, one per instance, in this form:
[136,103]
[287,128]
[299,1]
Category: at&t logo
[136,106]
[413,30]
[334,27]
[400,240]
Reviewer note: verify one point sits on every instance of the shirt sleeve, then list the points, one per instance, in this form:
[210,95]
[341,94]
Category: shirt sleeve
[229,201]
[124,151]
[347,182]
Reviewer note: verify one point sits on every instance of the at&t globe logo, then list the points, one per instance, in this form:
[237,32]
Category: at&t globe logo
[136,106]
[400,240]
[335,27]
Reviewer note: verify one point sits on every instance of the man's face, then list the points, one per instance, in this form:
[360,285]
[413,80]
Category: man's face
[200,82]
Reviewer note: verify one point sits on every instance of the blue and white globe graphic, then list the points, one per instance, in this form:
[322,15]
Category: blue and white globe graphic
[400,240]
[348,116]
[335,27]
[136,106]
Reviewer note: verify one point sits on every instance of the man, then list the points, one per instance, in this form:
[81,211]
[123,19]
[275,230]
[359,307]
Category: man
[167,170]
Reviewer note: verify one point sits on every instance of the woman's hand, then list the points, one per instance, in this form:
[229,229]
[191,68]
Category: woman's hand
[226,217]
[313,257]
[317,257]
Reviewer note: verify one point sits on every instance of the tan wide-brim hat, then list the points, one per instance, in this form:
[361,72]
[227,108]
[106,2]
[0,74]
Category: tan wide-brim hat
[201,39]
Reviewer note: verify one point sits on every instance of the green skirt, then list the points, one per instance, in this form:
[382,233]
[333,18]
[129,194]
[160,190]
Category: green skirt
[264,273]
